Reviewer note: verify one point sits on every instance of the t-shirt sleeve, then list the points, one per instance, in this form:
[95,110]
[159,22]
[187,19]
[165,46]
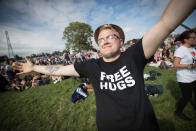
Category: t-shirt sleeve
[84,68]
[179,53]
[136,53]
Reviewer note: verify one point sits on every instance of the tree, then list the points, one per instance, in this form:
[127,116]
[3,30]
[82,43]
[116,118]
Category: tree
[56,53]
[67,48]
[78,36]
[33,56]
[17,57]
[3,58]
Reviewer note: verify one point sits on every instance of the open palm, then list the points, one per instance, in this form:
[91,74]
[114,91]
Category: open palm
[24,67]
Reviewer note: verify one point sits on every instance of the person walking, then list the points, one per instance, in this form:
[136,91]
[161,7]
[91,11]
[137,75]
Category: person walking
[185,62]
[117,77]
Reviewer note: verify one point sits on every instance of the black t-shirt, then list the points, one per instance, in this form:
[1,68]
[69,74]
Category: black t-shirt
[122,104]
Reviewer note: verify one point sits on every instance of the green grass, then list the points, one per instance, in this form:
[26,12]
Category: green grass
[165,104]
[49,107]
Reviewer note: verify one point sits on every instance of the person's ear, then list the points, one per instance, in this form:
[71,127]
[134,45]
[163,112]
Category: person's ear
[121,42]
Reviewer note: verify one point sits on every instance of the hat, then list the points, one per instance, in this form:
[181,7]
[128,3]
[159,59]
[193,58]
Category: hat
[109,26]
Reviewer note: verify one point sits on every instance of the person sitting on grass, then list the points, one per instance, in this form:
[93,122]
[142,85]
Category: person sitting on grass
[28,79]
[3,82]
[89,86]
[56,79]
[45,79]
[36,81]
[117,77]
[19,84]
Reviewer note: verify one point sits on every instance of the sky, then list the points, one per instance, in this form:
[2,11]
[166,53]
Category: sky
[36,26]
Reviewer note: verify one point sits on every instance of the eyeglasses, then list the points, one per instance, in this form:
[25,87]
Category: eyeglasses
[108,38]
[194,37]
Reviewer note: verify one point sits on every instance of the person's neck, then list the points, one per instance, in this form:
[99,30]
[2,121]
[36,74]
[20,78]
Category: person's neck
[111,59]
[187,45]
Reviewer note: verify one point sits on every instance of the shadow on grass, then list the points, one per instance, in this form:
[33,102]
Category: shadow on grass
[166,125]
[174,88]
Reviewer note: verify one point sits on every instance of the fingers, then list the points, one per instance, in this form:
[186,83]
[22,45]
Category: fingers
[17,68]
[18,64]
[20,73]
[27,60]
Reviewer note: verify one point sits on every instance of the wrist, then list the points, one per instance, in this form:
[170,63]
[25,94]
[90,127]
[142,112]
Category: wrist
[194,65]
[189,66]
[33,67]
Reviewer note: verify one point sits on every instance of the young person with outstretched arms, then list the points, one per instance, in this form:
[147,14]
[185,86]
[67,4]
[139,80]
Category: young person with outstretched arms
[117,77]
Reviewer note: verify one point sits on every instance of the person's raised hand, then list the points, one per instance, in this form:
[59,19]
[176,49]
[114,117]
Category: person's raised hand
[24,67]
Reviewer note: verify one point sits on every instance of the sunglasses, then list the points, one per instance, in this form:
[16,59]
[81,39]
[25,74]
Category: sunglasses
[194,37]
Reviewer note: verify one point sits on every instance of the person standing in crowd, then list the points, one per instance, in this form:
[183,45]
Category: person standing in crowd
[66,59]
[166,52]
[3,82]
[117,77]
[185,62]
[9,70]
[93,54]
[79,56]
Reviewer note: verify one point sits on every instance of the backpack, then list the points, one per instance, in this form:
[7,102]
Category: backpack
[153,89]
[151,78]
[154,73]
[80,93]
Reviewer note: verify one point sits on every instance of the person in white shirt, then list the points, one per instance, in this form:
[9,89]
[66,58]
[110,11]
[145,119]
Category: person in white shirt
[93,54]
[124,106]
[185,62]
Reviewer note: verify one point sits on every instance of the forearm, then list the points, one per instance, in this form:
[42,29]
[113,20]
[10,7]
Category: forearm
[189,66]
[57,70]
[175,13]
[194,65]
[181,66]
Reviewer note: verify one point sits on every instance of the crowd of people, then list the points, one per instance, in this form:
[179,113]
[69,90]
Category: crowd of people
[32,80]
[117,77]
[163,58]
[29,80]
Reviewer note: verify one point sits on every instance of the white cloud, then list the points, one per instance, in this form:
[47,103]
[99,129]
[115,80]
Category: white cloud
[40,25]
[33,42]
[145,2]
[19,5]
[54,16]
[156,9]
[101,15]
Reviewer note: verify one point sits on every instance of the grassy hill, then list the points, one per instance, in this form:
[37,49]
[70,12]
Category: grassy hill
[49,107]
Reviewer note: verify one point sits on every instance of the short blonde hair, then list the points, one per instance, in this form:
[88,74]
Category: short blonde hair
[111,27]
